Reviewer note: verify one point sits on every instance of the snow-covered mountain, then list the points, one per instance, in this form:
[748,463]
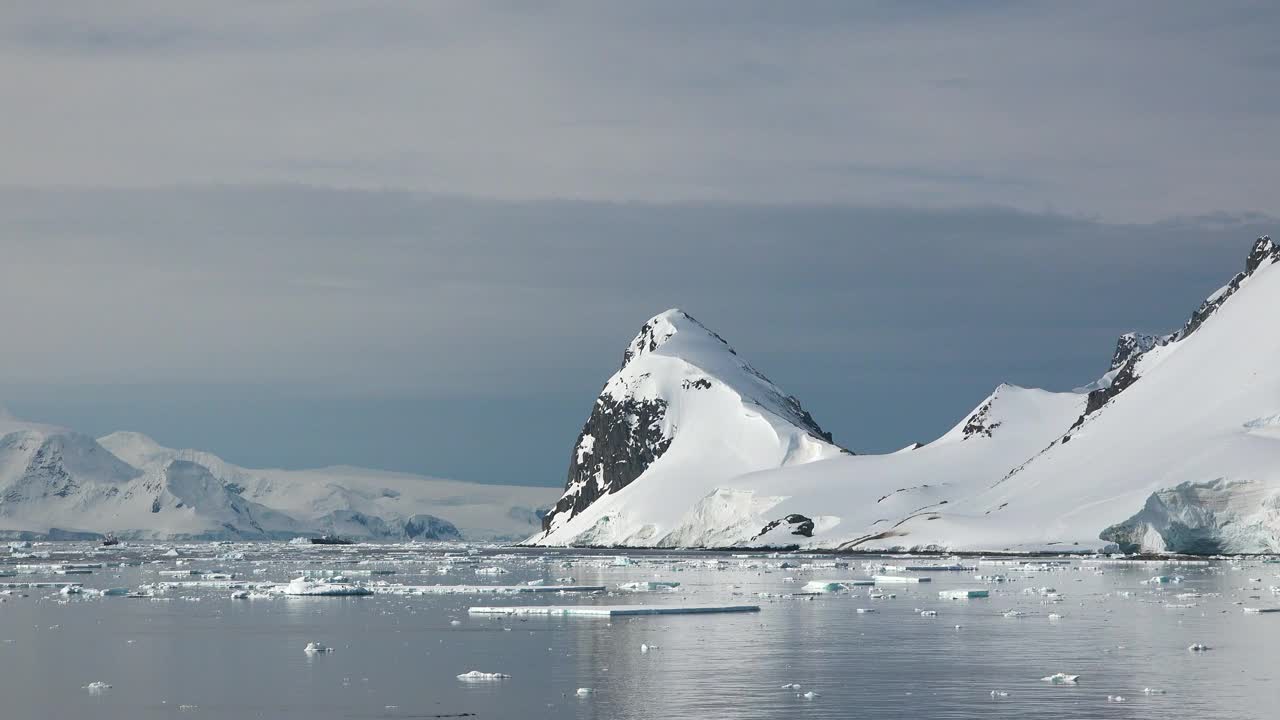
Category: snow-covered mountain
[58,483]
[1175,448]
[684,414]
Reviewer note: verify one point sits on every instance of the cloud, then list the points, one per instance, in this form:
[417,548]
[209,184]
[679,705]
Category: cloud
[1129,111]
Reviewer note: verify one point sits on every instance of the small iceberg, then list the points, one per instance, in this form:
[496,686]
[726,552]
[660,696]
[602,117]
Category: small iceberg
[477,676]
[962,594]
[649,585]
[1061,679]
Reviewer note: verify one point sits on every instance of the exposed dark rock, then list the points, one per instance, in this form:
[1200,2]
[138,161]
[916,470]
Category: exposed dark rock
[802,526]
[620,440]
[979,423]
[1131,345]
[1128,353]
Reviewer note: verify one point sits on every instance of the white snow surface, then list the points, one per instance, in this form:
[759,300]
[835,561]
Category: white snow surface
[1186,458]
[55,480]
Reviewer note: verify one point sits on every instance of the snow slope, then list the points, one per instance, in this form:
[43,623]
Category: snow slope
[356,502]
[58,483]
[1176,448]
[683,414]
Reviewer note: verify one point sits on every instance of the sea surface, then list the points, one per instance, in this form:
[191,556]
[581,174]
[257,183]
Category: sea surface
[194,651]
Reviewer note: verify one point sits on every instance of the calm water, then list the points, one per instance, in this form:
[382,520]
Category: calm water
[398,656]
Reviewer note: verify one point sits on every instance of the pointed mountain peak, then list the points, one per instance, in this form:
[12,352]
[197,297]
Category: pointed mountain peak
[681,383]
[1263,250]
[665,327]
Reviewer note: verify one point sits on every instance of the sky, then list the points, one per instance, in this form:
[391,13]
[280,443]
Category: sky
[419,236]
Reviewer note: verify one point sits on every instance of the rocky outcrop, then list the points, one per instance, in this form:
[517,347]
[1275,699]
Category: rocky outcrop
[1132,347]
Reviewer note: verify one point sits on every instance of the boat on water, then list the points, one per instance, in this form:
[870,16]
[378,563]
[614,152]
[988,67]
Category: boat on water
[331,540]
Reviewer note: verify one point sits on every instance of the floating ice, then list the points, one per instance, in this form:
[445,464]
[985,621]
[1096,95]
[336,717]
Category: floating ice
[648,585]
[1115,698]
[1152,691]
[97,687]
[1261,611]
[305,587]
[963,594]
[810,695]
[1061,679]
[644,648]
[898,580]
[791,686]
[611,610]
[1197,647]
[583,692]
[477,676]
[315,648]
[999,694]
[928,613]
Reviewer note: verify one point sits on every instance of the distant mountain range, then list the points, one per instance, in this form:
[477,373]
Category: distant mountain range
[1176,448]
[56,483]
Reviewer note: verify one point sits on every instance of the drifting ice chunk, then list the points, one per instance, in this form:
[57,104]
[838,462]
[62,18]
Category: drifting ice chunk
[898,580]
[863,611]
[791,686]
[1197,647]
[647,585]
[315,648]
[491,571]
[810,695]
[1152,691]
[583,692]
[1259,611]
[928,613]
[963,594]
[822,586]
[612,610]
[477,676]
[1061,679]
[381,589]
[303,586]
[1115,698]
[97,687]
[999,694]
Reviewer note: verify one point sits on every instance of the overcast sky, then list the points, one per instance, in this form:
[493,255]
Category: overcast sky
[417,236]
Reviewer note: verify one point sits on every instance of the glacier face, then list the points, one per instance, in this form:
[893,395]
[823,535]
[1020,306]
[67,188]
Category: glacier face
[1174,449]
[58,483]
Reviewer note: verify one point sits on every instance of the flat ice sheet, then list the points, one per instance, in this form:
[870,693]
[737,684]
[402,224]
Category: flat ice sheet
[474,589]
[612,610]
